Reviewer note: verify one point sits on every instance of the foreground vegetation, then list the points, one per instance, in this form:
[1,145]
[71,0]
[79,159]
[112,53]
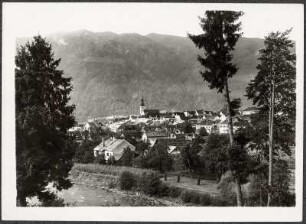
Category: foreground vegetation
[149,183]
[109,169]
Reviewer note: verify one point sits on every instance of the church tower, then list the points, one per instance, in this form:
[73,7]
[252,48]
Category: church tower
[142,108]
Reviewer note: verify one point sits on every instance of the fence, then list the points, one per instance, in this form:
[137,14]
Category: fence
[178,177]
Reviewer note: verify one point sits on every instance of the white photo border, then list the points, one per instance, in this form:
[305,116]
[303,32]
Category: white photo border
[179,214]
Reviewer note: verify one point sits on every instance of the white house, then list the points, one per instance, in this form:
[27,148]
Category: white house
[223,127]
[112,147]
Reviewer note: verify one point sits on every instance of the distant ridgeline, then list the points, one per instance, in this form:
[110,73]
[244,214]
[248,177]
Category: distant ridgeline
[111,73]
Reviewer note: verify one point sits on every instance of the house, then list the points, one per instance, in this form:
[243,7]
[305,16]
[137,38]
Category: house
[174,145]
[112,147]
[76,133]
[208,112]
[222,116]
[91,130]
[180,116]
[237,123]
[127,125]
[199,113]
[207,124]
[223,127]
[152,136]
[92,127]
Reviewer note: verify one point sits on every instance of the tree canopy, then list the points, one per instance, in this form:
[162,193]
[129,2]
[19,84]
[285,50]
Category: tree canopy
[221,32]
[277,64]
[43,116]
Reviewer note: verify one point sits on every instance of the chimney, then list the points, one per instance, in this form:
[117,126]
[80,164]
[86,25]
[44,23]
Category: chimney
[103,142]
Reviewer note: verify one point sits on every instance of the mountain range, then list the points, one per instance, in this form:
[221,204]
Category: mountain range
[112,72]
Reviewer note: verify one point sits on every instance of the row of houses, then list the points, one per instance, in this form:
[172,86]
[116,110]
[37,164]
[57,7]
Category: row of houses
[156,126]
[114,148]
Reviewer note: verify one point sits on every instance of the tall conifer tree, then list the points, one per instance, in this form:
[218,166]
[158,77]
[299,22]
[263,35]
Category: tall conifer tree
[221,33]
[43,117]
[273,90]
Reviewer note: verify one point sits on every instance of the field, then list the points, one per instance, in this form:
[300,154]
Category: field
[186,183]
[109,169]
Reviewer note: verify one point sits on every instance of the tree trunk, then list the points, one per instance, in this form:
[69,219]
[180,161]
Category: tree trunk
[238,192]
[271,120]
[231,138]
[229,116]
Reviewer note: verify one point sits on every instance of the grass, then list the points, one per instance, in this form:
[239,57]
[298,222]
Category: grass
[146,181]
[109,169]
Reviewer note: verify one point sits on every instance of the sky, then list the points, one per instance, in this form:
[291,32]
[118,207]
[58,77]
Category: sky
[28,19]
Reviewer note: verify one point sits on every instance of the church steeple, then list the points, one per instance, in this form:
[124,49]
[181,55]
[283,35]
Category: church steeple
[142,108]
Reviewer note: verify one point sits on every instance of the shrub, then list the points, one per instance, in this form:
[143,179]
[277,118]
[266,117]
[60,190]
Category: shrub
[205,200]
[195,198]
[100,159]
[127,157]
[140,161]
[217,201]
[159,158]
[174,192]
[186,196]
[203,132]
[84,152]
[151,184]
[200,199]
[127,180]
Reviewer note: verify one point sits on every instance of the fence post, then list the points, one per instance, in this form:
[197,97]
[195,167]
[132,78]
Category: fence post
[199,180]
[165,177]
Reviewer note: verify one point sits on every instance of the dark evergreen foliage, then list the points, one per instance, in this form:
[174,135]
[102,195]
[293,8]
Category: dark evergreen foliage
[84,152]
[159,159]
[43,115]
[221,33]
[188,128]
[127,180]
[127,157]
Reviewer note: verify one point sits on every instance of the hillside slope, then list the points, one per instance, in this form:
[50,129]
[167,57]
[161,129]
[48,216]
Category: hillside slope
[112,72]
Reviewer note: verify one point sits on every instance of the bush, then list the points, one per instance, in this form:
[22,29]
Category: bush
[202,199]
[140,161]
[186,196]
[84,152]
[217,201]
[205,200]
[174,192]
[100,159]
[127,157]
[151,185]
[203,132]
[159,158]
[127,180]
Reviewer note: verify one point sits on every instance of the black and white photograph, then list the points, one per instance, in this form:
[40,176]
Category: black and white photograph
[121,111]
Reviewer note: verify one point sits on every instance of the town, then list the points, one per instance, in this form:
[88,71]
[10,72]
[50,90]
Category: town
[176,129]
